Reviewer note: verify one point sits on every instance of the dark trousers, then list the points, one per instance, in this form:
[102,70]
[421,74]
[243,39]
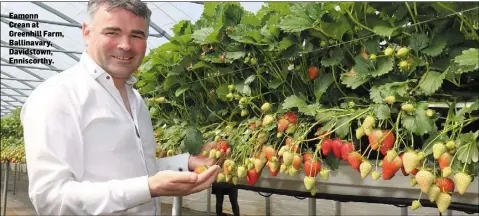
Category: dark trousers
[233,195]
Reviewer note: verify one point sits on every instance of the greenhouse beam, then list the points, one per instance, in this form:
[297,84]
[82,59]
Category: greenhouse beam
[32,67]
[43,39]
[160,30]
[45,21]
[52,50]
[26,71]
[15,100]
[19,92]
[21,81]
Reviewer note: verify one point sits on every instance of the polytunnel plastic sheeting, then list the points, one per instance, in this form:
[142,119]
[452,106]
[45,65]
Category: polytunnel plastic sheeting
[19,80]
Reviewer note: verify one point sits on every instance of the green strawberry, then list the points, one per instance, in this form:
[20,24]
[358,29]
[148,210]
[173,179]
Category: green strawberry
[450,144]
[446,171]
[388,51]
[438,149]
[410,161]
[324,174]
[412,182]
[402,52]
[365,168]
[433,192]
[407,108]
[390,99]
[415,204]
[462,181]
[266,107]
[424,179]
[309,182]
[375,175]
[443,201]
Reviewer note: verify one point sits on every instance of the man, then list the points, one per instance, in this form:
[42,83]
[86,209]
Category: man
[89,140]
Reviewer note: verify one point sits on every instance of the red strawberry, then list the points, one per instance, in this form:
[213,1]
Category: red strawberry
[444,160]
[354,159]
[326,146]
[252,176]
[294,147]
[375,138]
[337,144]
[291,117]
[288,141]
[312,167]
[345,149]
[222,145]
[308,156]
[390,169]
[282,125]
[252,125]
[297,160]
[387,142]
[269,152]
[403,170]
[313,72]
[445,184]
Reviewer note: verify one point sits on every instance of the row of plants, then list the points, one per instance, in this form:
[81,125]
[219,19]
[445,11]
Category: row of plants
[11,131]
[300,87]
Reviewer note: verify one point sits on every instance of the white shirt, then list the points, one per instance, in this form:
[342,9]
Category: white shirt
[83,154]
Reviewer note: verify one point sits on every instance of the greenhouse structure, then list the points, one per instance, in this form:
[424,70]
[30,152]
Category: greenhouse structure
[307,108]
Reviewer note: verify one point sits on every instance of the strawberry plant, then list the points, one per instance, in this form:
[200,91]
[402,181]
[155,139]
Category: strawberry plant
[371,84]
[12,146]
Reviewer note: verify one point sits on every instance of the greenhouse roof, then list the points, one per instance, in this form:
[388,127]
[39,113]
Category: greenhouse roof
[19,80]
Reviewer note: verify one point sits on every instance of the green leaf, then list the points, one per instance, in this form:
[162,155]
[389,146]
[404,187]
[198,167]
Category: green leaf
[332,162]
[335,57]
[461,114]
[309,109]
[250,19]
[431,81]
[292,23]
[231,56]
[222,91]
[204,36]
[286,43]
[372,47]
[418,122]
[321,84]
[275,83]
[181,90]
[293,101]
[243,88]
[378,93]
[193,140]
[435,47]
[383,66]
[250,79]
[169,82]
[382,112]
[468,60]
[338,28]
[343,131]
[418,41]
[353,81]
[384,30]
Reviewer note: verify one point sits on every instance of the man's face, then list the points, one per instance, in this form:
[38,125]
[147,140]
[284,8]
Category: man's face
[116,41]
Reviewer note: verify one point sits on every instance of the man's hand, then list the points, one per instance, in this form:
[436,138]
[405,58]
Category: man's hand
[200,160]
[174,183]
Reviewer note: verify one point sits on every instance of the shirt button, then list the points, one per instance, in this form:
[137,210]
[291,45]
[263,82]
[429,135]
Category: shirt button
[107,77]
[180,169]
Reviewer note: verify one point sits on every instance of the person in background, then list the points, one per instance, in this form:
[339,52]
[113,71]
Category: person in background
[89,141]
[220,189]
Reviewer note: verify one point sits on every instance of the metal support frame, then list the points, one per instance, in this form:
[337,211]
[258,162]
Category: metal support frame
[5,188]
[311,206]
[53,50]
[267,205]
[26,71]
[44,21]
[31,56]
[337,209]
[208,201]
[177,203]
[32,67]
[404,211]
[23,80]
[15,166]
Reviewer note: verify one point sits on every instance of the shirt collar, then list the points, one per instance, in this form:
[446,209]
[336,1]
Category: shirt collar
[96,71]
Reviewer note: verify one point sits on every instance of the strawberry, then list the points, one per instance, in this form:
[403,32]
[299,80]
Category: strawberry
[268,119]
[359,133]
[412,182]
[345,149]
[387,142]
[410,161]
[324,174]
[252,176]
[390,168]
[402,52]
[365,168]
[282,125]
[221,177]
[375,175]
[407,107]
[258,165]
[252,125]
[446,171]
[200,169]
[368,122]
[281,150]
[424,179]
[438,149]
[273,168]
[354,159]
[375,138]
[444,160]
[269,152]
[445,184]
[266,107]
[462,181]
[309,182]
[297,159]
[433,192]
[313,72]
[291,117]
[443,201]
[222,145]
[288,141]
[312,168]
[308,156]
[391,154]
[326,146]
[292,171]
[450,144]
[241,171]
[228,166]
[415,205]
[262,138]
[337,144]
[282,168]
[287,158]
[390,99]
[388,51]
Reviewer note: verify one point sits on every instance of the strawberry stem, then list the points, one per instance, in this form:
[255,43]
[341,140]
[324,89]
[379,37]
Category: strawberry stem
[396,128]
[467,157]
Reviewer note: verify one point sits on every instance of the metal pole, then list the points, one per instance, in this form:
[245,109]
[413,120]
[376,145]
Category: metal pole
[52,50]
[177,203]
[312,206]
[5,188]
[14,178]
[268,205]
[337,204]
[404,211]
[32,67]
[449,212]
[208,201]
